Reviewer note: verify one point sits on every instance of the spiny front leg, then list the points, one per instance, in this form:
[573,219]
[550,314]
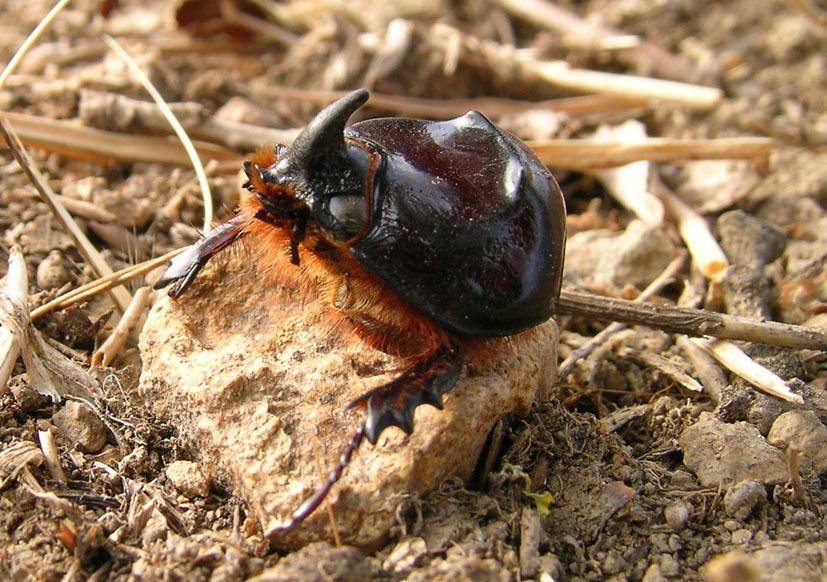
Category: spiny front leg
[425,382]
[185,267]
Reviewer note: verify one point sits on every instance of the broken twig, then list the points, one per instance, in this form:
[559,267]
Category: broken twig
[120,295]
[694,322]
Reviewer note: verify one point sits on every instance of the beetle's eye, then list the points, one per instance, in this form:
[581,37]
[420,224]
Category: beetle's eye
[347,216]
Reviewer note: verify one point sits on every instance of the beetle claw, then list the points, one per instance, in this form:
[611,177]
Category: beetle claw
[425,382]
[185,267]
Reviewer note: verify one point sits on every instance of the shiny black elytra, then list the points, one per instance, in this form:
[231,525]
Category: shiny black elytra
[425,234]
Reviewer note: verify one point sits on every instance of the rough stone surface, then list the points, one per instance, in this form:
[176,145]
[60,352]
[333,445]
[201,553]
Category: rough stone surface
[188,479]
[409,552]
[743,497]
[79,424]
[802,430]
[742,402]
[600,258]
[319,562]
[749,240]
[51,272]
[259,378]
[458,568]
[676,515]
[775,561]
[720,453]
[781,562]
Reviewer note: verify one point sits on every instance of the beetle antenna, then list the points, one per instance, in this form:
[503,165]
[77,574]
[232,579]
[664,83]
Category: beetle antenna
[315,500]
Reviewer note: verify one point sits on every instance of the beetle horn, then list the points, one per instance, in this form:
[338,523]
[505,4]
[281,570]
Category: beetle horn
[318,152]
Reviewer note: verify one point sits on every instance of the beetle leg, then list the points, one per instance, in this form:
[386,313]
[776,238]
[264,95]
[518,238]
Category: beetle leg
[185,267]
[313,502]
[425,382]
[392,404]
[292,215]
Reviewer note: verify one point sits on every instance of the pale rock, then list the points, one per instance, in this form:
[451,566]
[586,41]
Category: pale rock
[802,430]
[720,453]
[676,515]
[79,424]
[603,258]
[741,498]
[319,562]
[258,376]
[188,479]
[409,552]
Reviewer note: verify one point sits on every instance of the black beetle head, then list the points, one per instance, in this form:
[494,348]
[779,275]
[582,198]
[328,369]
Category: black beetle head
[317,174]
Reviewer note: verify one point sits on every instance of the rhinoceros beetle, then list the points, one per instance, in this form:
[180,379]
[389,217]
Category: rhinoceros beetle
[424,235]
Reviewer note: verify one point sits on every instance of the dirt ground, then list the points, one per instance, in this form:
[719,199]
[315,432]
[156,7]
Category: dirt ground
[621,474]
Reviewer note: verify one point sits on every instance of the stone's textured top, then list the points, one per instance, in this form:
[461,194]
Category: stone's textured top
[721,453]
[257,377]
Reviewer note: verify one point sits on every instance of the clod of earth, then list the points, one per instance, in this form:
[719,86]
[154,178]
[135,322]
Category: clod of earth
[257,380]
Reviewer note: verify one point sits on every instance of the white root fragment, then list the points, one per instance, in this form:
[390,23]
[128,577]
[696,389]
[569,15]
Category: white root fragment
[561,74]
[180,132]
[109,350]
[711,377]
[629,184]
[17,289]
[49,372]
[49,448]
[665,366]
[391,52]
[573,31]
[731,357]
[694,230]
[15,457]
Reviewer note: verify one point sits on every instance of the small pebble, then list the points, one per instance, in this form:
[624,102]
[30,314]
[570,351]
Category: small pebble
[721,453]
[81,426]
[604,257]
[669,566]
[407,554]
[321,562]
[155,530]
[741,536]
[675,543]
[741,499]
[188,479]
[676,515]
[52,273]
[803,430]
[613,563]
[551,566]
[731,567]
[681,479]
[27,398]
[653,574]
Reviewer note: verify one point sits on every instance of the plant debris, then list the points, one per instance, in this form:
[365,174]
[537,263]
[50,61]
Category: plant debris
[643,476]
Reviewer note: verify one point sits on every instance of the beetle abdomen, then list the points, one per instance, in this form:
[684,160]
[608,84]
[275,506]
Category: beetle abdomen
[466,223]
